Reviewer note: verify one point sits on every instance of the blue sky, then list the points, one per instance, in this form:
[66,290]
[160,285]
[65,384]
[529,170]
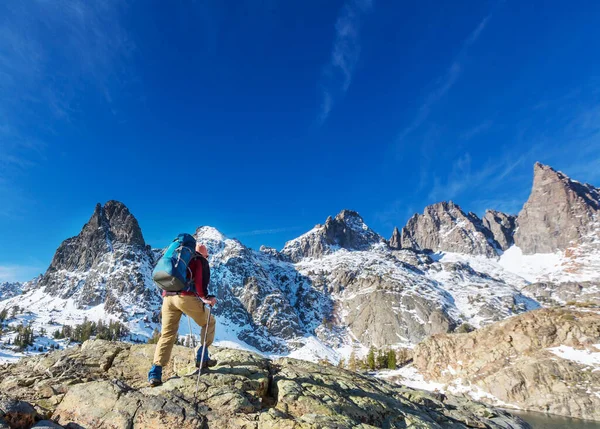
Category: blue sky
[263,118]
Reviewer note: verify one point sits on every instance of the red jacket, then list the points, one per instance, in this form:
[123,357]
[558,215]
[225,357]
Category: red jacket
[201,271]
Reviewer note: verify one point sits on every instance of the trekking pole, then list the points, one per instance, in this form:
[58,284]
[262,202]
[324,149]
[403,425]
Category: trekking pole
[202,357]
[192,339]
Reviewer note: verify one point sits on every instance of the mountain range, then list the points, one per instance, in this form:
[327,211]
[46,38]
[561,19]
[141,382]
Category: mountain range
[340,287]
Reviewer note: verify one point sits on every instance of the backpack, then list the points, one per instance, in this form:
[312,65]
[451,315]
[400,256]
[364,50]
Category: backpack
[171,271]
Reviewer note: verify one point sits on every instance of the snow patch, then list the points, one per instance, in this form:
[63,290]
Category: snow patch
[584,357]
[531,267]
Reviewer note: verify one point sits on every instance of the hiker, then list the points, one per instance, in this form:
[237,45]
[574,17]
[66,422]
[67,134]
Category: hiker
[190,303]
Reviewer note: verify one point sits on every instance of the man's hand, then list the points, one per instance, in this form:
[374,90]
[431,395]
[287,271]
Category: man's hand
[209,301]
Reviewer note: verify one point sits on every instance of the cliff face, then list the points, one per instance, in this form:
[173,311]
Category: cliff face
[502,226]
[558,213]
[102,385]
[445,227]
[540,361]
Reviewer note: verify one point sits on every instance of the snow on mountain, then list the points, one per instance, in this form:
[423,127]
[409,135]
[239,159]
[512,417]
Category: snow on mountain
[446,227]
[346,231]
[337,289]
[8,290]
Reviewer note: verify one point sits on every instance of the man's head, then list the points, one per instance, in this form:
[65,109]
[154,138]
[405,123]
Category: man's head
[201,248]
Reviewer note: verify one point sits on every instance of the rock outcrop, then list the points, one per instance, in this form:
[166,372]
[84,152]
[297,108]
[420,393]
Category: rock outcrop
[558,213]
[347,230]
[502,227]
[102,385]
[577,293]
[396,239]
[513,361]
[107,263]
[445,227]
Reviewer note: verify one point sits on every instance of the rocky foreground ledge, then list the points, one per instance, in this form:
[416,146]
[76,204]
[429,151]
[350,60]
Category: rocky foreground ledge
[102,384]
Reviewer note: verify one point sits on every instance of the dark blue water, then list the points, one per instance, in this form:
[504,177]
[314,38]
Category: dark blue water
[547,421]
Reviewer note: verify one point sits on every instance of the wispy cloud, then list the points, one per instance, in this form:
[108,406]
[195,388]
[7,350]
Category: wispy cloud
[338,72]
[444,83]
[264,231]
[463,176]
[51,52]
[18,273]
[476,130]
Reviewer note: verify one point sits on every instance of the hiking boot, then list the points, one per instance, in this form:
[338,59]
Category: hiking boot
[155,376]
[208,363]
[154,382]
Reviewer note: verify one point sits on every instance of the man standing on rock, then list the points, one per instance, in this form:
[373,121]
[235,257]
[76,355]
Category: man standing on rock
[192,305]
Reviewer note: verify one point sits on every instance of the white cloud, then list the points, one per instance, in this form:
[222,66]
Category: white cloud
[50,52]
[444,82]
[463,176]
[338,73]
[18,273]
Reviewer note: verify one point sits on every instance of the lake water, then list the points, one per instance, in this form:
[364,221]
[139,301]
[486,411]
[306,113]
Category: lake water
[545,421]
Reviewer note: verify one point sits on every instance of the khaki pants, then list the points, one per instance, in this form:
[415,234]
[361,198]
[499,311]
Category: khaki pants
[172,308]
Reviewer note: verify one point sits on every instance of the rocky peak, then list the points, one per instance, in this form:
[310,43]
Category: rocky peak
[110,225]
[107,260]
[122,226]
[502,226]
[557,214]
[212,238]
[347,230]
[396,239]
[446,227]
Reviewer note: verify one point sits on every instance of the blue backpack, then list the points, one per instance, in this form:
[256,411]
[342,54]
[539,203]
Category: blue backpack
[171,271]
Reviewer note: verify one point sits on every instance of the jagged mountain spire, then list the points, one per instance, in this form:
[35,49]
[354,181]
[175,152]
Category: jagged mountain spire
[446,227]
[107,262]
[396,239]
[558,213]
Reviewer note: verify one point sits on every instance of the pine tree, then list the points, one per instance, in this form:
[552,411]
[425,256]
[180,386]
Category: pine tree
[391,360]
[352,365]
[3,315]
[155,337]
[341,363]
[67,332]
[371,359]
[381,359]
